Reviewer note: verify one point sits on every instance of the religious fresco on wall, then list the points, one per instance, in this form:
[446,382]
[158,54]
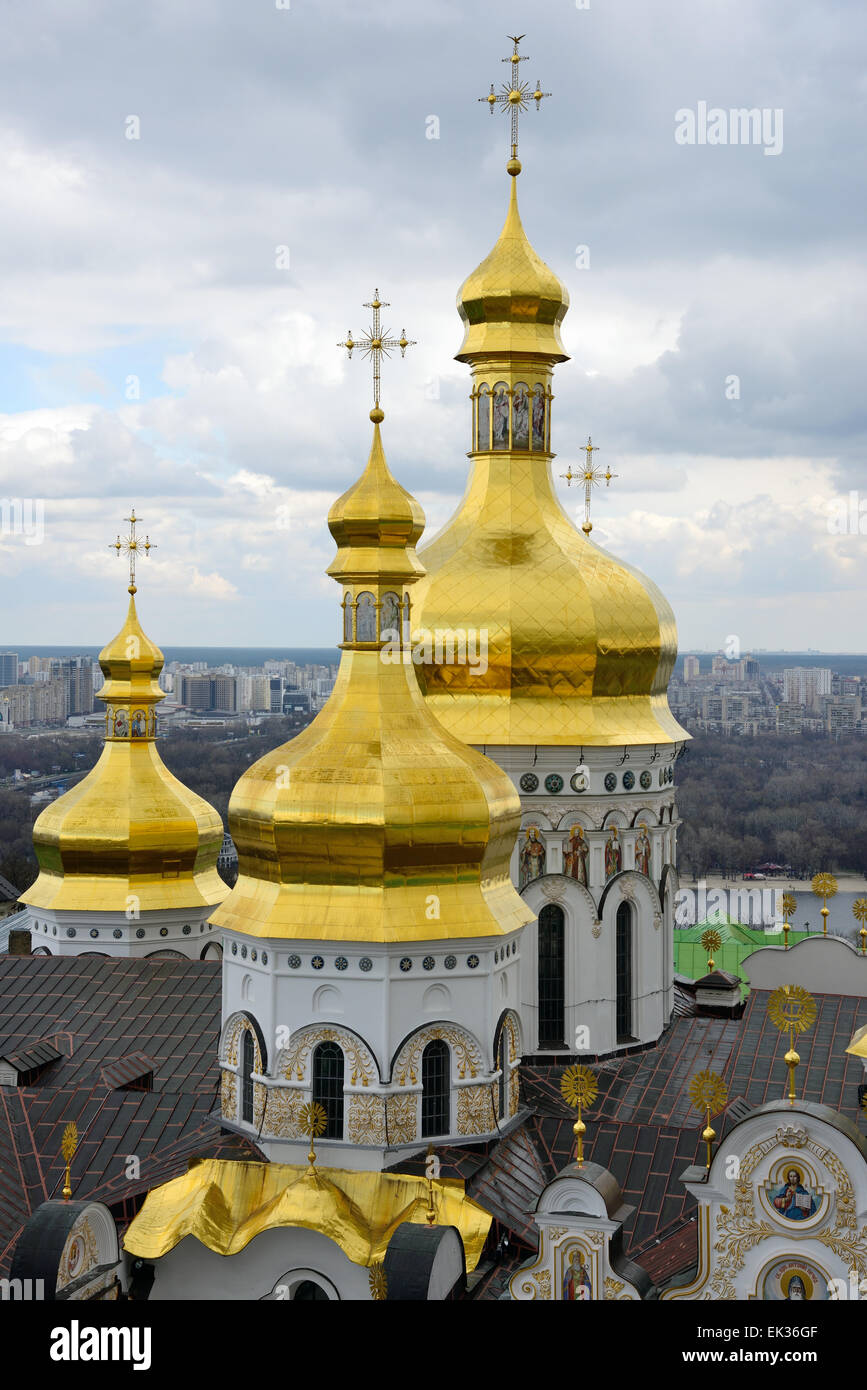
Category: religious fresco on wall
[347,619]
[538,417]
[365,619]
[575,853]
[532,858]
[389,616]
[520,417]
[120,728]
[794,1280]
[792,1199]
[642,851]
[577,1285]
[139,724]
[484,436]
[613,854]
[501,416]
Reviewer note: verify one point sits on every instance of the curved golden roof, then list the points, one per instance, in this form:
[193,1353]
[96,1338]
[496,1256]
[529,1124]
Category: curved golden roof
[129,832]
[373,824]
[512,302]
[226,1204]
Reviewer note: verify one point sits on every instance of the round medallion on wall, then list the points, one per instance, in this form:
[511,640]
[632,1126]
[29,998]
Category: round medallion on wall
[554,783]
[610,781]
[450,962]
[117,933]
[341,963]
[164,931]
[243,953]
[317,962]
[428,963]
[529,782]
[294,962]
[75,1258]
[94,933]
[629,780]
[186,929]
[472,962]
[645,779]
[140,933]
[365,964]
[253,955]
[405,964]
[235,950]
[264,957]
[70,931]
[579,782]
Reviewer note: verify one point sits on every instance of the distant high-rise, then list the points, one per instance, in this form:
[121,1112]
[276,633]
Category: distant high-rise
[8,668]
[805,685]
[691,667]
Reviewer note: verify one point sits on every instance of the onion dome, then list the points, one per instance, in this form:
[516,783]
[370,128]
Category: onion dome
[512,302]
[580,645]
[373,824]
[129,834]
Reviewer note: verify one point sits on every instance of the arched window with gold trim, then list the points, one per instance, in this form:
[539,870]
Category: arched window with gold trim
[483,434]
[435,1089]
[500,417]
[328,1067]
[365,618]
[247,1063]
[538,416]
[521,416]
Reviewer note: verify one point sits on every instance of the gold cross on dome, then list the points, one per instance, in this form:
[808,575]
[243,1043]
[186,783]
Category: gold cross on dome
[514,97]
[373,344]
[591,477]
[133,546]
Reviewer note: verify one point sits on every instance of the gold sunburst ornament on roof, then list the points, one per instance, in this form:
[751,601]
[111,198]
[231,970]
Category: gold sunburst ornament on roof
[579,1088]
[824,886]
[68,1145]
[859,912]
[788,904]
[377,1281]
[711,941]
[709,1093]
[314,1122]
[792,1010]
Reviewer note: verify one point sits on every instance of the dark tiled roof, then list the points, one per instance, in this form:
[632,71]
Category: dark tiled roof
[30,1058]
[132,1068]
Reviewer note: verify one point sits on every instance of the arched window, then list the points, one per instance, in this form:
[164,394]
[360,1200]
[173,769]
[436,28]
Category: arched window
[389,618]
[503,1064]
[538,407]
[365,618]
[328,1086]
[247,1062]
[484,430]
[308,1292]
[435,1089]
[552,976]
[500,416]
[347,617]
[623,973]
[521,417]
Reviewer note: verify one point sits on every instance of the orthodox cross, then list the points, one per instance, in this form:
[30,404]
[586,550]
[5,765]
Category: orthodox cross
[591,477]
[514,96]
[374,343]
[132,545]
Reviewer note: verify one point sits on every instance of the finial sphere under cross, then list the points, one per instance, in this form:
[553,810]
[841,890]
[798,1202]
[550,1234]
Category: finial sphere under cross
[373,344]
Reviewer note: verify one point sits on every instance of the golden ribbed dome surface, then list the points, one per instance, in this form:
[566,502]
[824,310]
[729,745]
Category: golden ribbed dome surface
[129,834]
[373,824]
[512,302]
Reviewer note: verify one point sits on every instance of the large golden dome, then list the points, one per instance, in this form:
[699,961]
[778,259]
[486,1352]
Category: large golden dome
[580,645]
[129,834]
[374,824]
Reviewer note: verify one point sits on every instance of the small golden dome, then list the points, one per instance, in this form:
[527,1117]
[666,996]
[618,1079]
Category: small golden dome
[512,302]
[374,824]
[129,834]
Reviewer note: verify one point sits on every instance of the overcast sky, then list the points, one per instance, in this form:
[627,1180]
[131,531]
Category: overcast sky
[152,264]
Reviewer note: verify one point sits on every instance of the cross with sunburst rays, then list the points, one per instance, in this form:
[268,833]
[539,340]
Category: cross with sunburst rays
[133,546]
[373,344]
[514,96]
[591,476]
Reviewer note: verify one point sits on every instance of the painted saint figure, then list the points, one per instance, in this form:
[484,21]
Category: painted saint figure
[139,724]
[501,418]
[796,1291]
[539,417]
[484,419]
[613,854]
[121,725]
[533,858]
[575,852]
[642,851]
[793,1200]
[577,1286]
[388,617]
[520,418]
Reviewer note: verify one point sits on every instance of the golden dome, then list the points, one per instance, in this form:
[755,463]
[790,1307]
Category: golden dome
[129,833]
[374,824]
[580,646]
[512,302]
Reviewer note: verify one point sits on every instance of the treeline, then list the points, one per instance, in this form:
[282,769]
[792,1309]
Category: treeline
[797,800]
[742,802]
